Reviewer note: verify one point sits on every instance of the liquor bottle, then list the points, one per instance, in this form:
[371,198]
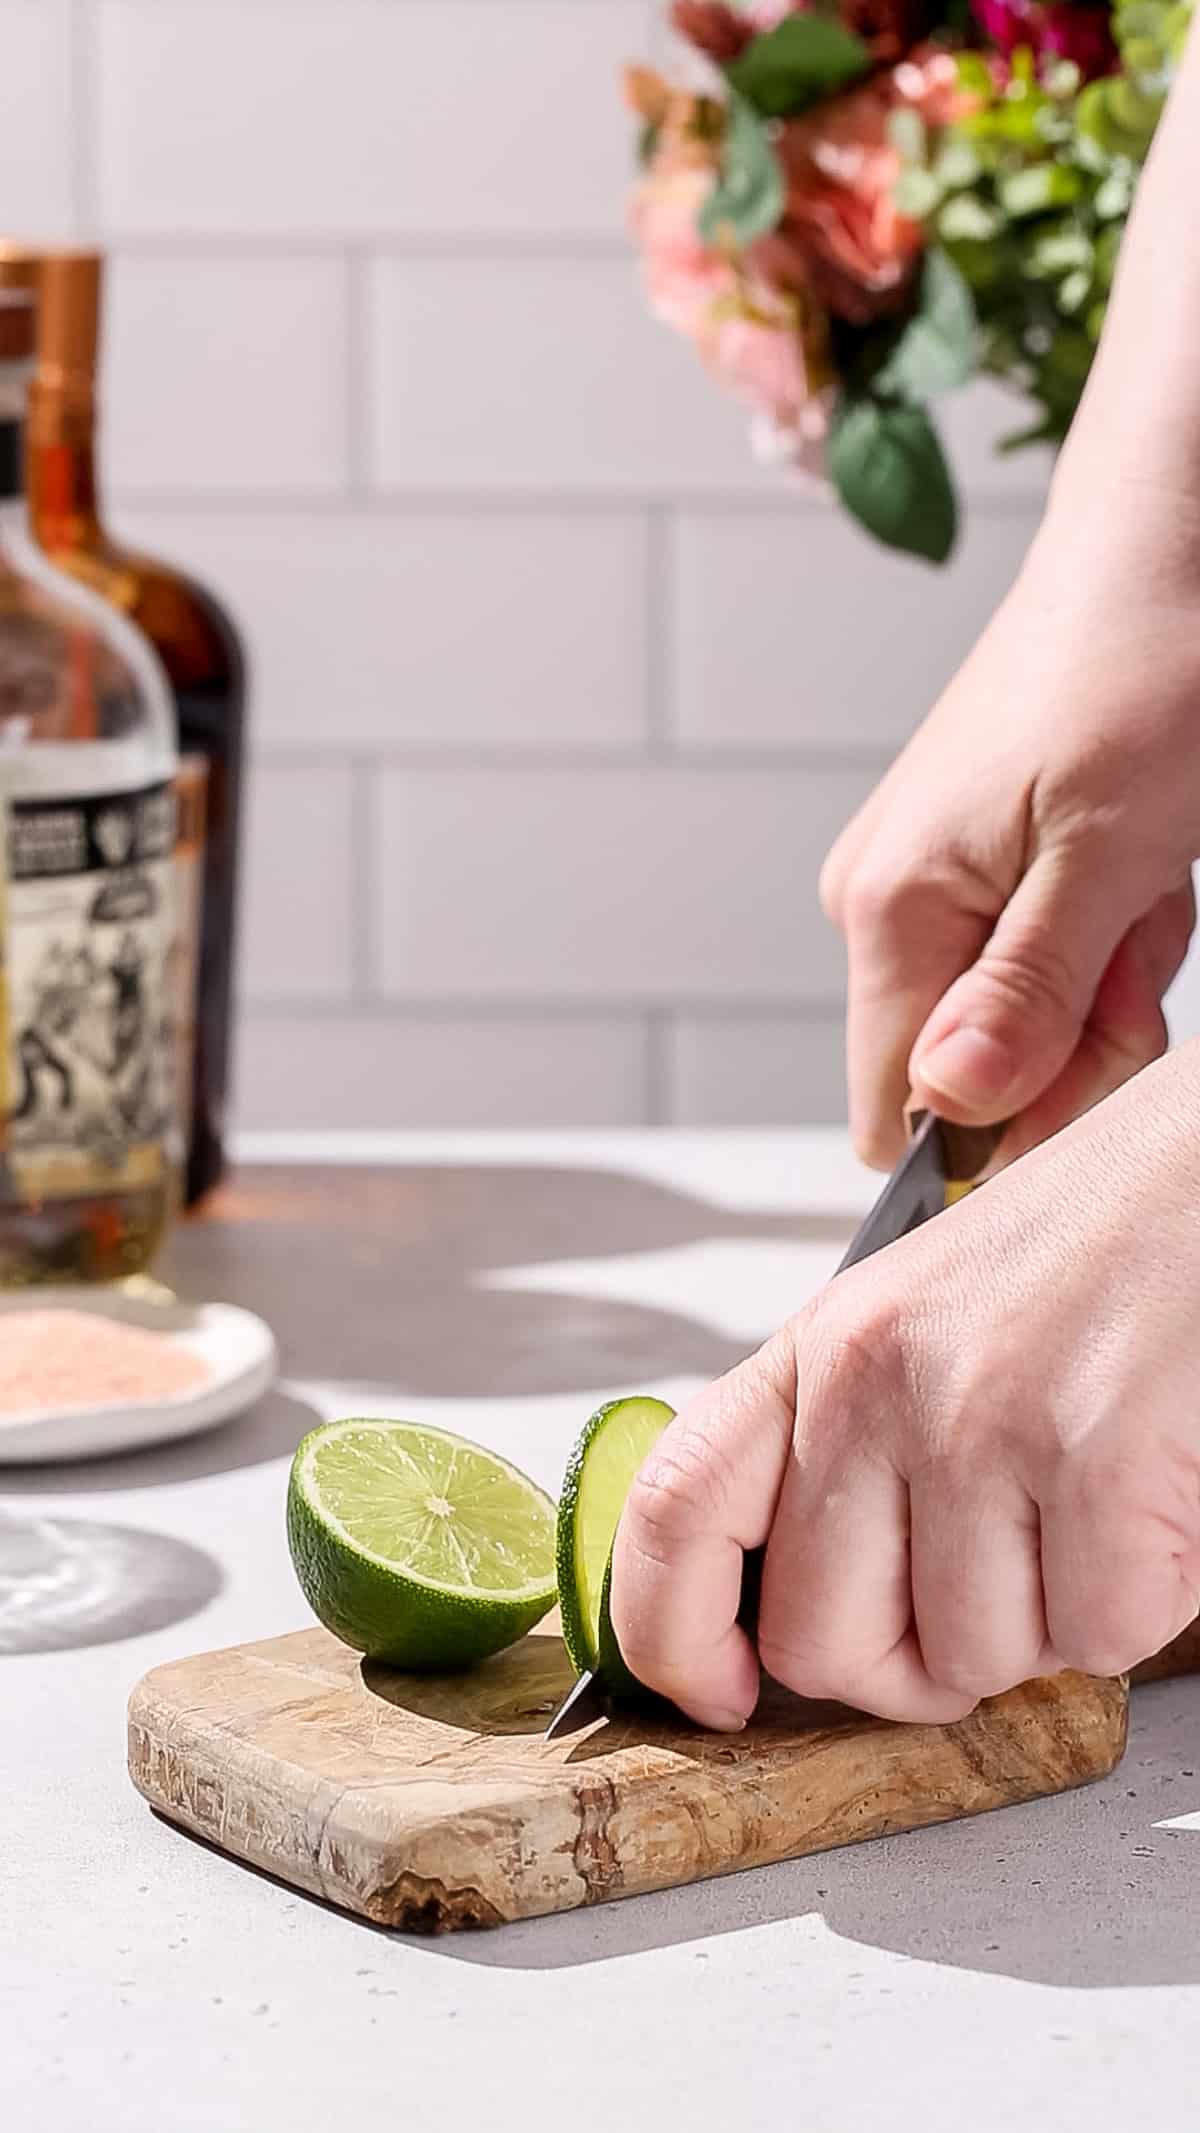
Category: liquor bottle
[195,639]
[88,1147]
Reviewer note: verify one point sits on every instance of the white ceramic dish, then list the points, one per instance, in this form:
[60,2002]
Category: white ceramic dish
[238,1348]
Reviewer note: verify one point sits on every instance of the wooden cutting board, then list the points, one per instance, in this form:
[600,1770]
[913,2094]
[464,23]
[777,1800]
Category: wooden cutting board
[434,1803]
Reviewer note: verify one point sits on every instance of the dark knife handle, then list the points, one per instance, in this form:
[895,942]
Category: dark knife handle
[966,1151]
[752,1570]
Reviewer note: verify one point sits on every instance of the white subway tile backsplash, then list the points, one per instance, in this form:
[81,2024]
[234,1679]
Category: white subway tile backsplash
[972,424]
[495,632]
[797,630]
[540,375]
[757,1070]
[38,128]
[430,117]
[298,920]
[226,374]
[380,370]
[600,884]
[469,1071]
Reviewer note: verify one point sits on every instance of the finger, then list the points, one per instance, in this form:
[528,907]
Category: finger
[1119,1586]
[906,945]
[1124,1032]
[835,1614]
[843,856]
[706,1493]
[977,1582]
[1010,1025]
[835,1620]
[1165,934]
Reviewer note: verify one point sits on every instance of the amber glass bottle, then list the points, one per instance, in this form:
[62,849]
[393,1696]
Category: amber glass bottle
[88,911]
[195,639]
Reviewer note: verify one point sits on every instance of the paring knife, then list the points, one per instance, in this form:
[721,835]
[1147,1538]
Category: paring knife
[940,1165]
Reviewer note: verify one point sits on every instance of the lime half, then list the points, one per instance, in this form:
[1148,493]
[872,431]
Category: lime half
[416,1547]
[597,1481]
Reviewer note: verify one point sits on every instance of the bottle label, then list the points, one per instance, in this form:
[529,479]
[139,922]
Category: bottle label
[191,792]
[90,929]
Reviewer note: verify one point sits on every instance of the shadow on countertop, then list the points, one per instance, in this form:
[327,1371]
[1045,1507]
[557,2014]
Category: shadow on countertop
[377,1278]
[66,1583]
[1081,1890]
[380,1276]
[271,1430]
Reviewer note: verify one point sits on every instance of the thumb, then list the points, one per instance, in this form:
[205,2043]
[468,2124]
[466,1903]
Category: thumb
[1009,1025]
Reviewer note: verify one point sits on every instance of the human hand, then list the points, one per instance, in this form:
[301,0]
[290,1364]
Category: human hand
[975,1458]
[1016,895]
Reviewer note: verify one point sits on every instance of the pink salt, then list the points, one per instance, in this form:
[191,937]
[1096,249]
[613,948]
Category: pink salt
[56,1360]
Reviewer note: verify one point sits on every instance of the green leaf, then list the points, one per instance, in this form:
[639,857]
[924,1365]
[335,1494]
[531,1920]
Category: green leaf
[1120,117]
[1075,290]
[1042,186]
[969,218]
[748,198]
[1060,249]
[917,193]
[906,132]
[937,349]
[1108,246]
[803,59]
[1114,196]
[956,162]
[889,470]
[975,76]
[647,141]
[1042,432]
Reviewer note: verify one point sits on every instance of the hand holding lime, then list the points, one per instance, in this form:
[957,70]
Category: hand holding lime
[610,1450]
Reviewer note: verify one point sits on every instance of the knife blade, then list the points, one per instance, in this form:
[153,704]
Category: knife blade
[940,1164]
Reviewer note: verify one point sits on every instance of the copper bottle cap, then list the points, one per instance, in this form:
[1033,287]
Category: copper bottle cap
[66,287]
[17,325]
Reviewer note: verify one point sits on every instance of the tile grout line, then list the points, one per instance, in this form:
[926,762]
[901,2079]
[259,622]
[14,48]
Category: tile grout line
[434,757]
[657,682]
[499,500]
[359,410]
[451,246]
[655,1030]
[376,1008]
[362,887]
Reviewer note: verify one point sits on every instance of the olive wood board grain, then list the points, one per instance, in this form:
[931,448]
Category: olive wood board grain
[430,1803]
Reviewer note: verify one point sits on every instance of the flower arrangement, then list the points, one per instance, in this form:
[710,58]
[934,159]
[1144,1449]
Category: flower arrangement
[858,205]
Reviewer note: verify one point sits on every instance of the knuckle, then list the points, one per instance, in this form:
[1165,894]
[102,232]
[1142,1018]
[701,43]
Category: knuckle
[852,1356]
[1091,1651]
[875,898]
[1033,982]
[971,1677]
[680,1487]
[809,1670]
[829,887]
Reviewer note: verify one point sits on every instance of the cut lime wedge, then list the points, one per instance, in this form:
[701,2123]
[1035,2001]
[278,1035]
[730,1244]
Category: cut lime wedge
[602,1466]
[416,1547]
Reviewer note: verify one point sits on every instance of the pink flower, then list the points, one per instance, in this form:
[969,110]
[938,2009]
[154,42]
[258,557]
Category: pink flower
[842,234]
[768,14]
[1061,29]
[684,278]
[762,358]
[750,335]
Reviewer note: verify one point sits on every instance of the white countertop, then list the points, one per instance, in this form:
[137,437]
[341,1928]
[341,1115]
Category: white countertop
[1037,1968]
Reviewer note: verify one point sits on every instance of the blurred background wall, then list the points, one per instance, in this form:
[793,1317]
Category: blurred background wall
[558,698]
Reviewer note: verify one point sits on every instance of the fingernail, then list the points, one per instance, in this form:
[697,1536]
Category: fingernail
[967,1065]
[723,1722]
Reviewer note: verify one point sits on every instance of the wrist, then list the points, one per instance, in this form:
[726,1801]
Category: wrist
[1118,529]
